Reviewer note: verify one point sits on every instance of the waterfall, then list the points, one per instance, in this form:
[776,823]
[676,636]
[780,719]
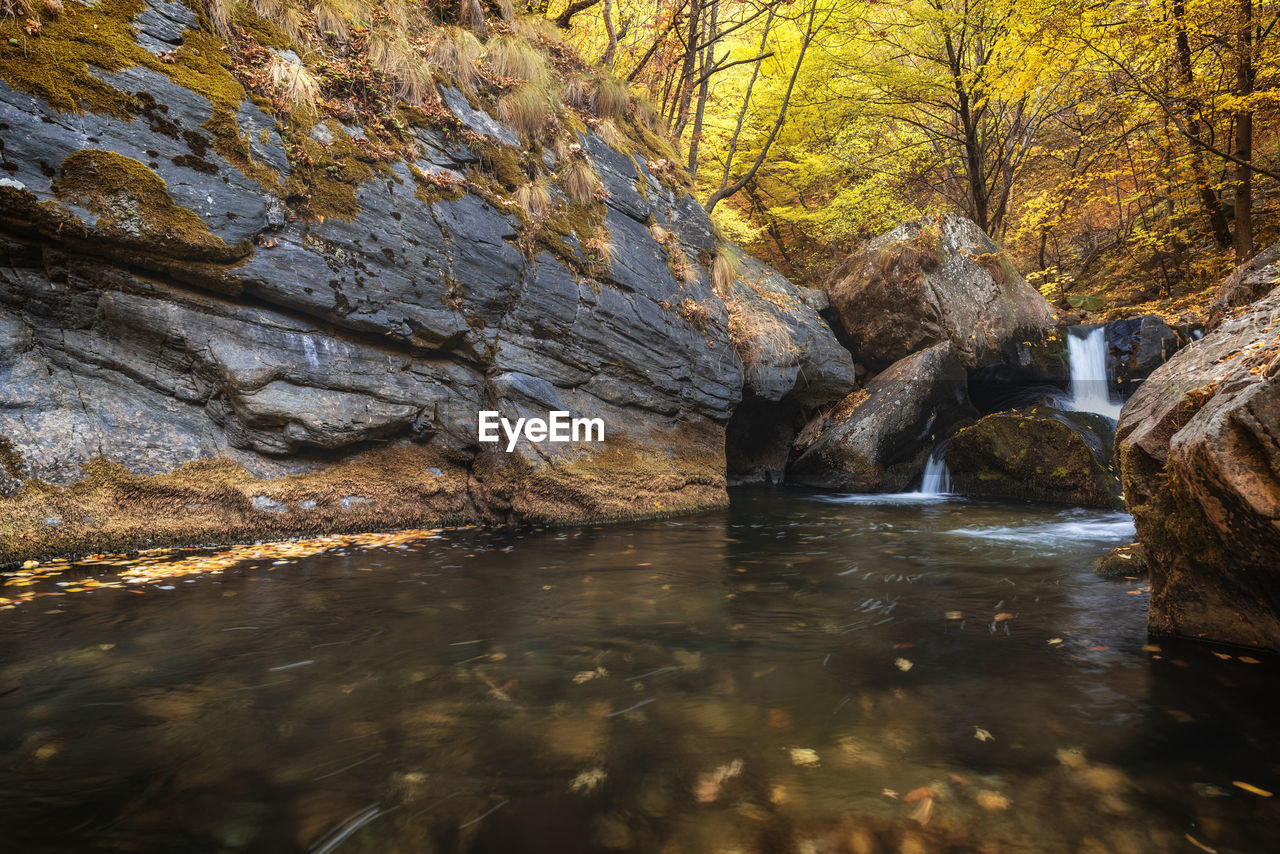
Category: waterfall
[937,478]
[1089,390]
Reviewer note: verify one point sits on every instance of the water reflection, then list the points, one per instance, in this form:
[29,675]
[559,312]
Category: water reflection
[794,674]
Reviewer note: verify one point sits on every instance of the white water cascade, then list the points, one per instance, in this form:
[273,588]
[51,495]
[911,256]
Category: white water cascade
[937,477]
[1089,390]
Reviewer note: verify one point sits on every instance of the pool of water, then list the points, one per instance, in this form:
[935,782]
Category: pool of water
[799,673]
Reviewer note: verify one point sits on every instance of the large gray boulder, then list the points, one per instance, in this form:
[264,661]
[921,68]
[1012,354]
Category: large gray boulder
[1199,452]
[878,438]
[933,280]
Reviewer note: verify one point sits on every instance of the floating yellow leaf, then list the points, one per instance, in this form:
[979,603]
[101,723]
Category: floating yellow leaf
[1262,793]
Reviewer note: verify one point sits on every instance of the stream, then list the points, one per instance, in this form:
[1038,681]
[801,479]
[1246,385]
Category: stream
[799,673]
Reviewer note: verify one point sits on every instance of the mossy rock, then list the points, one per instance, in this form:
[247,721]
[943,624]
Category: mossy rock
[1037,454]
[1123,562]
[133,206]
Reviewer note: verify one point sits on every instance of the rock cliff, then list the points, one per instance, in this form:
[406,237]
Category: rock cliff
[224,317]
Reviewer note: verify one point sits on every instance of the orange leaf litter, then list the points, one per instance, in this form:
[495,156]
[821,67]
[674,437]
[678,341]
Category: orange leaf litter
[151,565]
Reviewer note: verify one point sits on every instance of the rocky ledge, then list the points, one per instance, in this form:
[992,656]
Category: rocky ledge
[1199,451]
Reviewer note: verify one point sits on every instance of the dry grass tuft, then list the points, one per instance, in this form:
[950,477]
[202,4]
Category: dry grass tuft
[454,51]
[580,181]
[527,109]
[513,56]
[599,247]
[534,198]
[537,28]
[612,98]
[294,23]
[268,10]
[757,336]
[416,82]
[332,19]
[471,15]
[611,136]
[220,13]
[506,10]
[598,95]
[296,85]
[724,272]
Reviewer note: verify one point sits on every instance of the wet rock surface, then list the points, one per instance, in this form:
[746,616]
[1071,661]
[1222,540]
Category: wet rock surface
[1038,454]
[1136,346]
[1122,562]
[878,438]
[1199,452]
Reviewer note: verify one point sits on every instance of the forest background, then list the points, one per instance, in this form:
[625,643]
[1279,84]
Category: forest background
[1122,153]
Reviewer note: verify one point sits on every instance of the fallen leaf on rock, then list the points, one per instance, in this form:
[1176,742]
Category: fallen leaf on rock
[1151,648]
[889,793]
[903,664]
[707,787]
[954,615]
[804,757]
[1055,641]
[904,646]
[919,794]
[1223,656]
[588,780]
[1002,616]
[1197,843]
[992,801]
[1254,790]
[1098,648]
[1247,659]
[982,735]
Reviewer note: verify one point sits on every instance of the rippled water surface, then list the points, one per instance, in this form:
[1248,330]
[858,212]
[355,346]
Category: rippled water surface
[800,673]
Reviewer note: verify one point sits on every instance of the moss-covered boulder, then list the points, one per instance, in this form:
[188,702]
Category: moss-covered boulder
[1122,562]
[1199,450]
[1037,454]
[936,279]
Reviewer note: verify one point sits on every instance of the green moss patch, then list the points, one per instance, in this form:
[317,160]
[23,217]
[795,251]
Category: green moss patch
[133,205]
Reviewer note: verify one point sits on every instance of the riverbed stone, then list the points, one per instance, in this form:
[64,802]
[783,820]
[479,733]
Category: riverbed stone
[1038,454]
[1199,449]
[877,438]
[1122,562]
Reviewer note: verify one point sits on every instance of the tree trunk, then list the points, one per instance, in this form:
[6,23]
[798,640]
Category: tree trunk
[1244,134]
[606,61]
[1191,109]
[708,41]
[688,71]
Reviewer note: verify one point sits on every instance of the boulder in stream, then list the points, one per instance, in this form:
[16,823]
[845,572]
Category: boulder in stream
[933,280]
[1039,454]
[1199,452]
[1136,346]
[878,438]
